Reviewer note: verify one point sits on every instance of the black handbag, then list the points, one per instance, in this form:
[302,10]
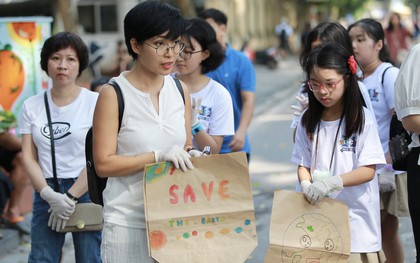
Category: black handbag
[399,139]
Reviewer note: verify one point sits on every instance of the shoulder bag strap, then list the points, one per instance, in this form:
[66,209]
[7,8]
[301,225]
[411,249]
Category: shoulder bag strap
[54,168]
[120,101]
[181,90]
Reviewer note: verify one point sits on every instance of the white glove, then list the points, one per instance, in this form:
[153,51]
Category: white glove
[386,180]
[60,204]
[319,189]
[195,111]
[303,101]
[195,153]
[175,154]
[56,223]
[304,185]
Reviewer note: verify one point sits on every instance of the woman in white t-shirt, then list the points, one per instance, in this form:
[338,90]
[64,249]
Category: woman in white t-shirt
[63,57]
[337,147]
[212,110]
[379,76]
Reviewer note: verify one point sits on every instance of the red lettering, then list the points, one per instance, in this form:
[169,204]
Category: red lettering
[207,191]
[223,189]
[189,192]
[174,199]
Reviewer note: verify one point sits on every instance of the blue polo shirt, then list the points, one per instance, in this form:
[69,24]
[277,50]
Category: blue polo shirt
[236,74]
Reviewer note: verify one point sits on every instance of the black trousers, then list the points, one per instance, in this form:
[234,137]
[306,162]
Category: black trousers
[413,190]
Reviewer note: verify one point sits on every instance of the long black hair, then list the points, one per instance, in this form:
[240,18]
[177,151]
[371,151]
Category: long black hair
[374,30]
[334,56]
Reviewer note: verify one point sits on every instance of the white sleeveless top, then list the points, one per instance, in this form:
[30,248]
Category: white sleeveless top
[142,130]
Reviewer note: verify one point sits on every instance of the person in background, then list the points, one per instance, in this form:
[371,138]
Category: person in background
[212,110]
[337,147]
[407,107]
[379,77]
[63,57]
[155,127]
[11,164]
[397,38]
[237,75]
[324,32]
[283,31]
[97,84]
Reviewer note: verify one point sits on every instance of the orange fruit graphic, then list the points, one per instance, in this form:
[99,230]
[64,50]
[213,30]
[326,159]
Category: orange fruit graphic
[12,76]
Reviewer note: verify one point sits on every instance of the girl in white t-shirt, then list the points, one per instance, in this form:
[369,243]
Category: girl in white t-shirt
[379,76]
[212,110]
[337,147]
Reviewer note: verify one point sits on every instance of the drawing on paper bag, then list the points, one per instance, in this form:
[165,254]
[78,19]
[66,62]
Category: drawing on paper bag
[203,215]
[308,233]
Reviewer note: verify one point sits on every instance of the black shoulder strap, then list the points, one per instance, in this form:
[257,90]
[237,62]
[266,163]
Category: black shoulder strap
[181,90]
[120,101]
[383,75]
[54,167]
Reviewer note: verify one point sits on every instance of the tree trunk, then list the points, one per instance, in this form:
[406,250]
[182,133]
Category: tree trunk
[67,13]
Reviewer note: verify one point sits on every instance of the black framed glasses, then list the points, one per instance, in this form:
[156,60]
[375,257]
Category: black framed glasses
[162,49]
[185,55]
[316,86]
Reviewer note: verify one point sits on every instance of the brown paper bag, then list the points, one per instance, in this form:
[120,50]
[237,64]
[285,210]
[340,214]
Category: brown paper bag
[301,232]
[202,215]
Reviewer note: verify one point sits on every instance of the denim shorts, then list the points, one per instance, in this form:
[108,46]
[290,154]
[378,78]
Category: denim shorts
[46,244]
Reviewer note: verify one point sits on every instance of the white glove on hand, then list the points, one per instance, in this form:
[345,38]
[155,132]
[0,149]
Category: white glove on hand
[195,153]
[319,189]
[386,180]
[304,185]
[303,101]
[175,154]
[56,223]
[60,204]
[195,111]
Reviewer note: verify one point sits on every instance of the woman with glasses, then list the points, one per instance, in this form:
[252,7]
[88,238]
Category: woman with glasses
[155,127]
[212,110]
[337,147]
[379,76]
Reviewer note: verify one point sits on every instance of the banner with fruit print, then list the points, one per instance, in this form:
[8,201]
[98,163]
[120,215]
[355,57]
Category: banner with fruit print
[21,40]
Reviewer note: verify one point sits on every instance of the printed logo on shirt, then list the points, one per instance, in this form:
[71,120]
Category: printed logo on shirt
[205,113]
[373,94]
[60,130]
[348,144]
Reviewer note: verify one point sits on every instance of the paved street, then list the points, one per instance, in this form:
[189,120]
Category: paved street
[270,167]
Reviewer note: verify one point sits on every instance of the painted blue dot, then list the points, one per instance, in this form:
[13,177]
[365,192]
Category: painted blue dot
[247,222]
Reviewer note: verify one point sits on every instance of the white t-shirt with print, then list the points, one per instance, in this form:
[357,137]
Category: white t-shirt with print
[216,115]
[382,99]
[70,124]
[350,153]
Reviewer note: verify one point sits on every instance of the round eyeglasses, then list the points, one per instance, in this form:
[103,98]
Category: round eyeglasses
[162,49]
[185,55]
[316,86]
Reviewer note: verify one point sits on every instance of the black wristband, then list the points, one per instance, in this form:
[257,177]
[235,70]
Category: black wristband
[72,197]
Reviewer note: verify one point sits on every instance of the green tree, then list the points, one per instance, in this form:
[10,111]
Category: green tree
[340,8]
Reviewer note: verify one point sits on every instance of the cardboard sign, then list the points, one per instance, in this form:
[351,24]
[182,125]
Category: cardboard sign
[301,232]
[203,215]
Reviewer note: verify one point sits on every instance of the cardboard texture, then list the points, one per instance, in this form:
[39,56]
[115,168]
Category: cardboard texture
[203,215]
[301,232]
